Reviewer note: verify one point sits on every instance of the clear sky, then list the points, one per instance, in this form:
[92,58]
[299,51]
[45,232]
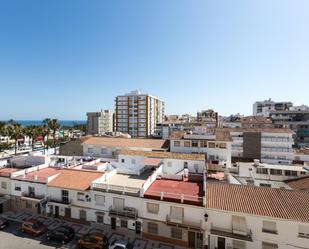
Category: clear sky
[62,58]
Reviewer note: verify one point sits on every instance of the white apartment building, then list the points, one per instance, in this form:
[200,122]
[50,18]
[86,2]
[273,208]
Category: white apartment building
[99,123]
[263,108]
[248,217]
[269,145]
[214,143]
[138,114]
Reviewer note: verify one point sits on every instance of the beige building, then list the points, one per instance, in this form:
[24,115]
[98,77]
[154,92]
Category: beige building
[100,122]
[138,114]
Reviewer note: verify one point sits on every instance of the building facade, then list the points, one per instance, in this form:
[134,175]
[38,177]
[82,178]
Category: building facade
[138,114]
[100,122]
[263,108]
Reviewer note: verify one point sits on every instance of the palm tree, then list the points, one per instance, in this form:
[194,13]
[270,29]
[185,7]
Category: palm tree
[15,131]
[32,131]
[54,126]
[2,128]
[44,131]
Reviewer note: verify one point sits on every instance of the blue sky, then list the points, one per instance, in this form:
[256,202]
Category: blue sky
[63,58]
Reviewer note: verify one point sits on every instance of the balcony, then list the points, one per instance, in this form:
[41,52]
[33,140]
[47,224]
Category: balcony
[246,236]
[183,223]
[127,212]
[32,196]
[64,201]
[118,189]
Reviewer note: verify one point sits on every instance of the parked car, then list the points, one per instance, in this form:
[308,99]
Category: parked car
[93,241]
[33,227]
[63,234]
[3,223]
[121,244]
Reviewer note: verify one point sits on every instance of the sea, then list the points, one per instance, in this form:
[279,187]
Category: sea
[68,123]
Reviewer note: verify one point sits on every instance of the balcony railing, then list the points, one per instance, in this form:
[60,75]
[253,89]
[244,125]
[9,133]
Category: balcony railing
[127,212]
[60,200]
[182,222]
[32,196]
[104,187]
[245,235]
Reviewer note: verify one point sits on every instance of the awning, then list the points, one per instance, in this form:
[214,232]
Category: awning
[150,161]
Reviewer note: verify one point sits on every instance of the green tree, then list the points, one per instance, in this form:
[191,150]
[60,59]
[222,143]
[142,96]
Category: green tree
[32,131]
[54,126]
[15,131]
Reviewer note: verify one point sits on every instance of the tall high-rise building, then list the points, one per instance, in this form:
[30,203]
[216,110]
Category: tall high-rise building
[138,113]
[263,108]
[99,122]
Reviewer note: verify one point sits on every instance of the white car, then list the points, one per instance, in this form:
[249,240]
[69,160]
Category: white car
[121,244]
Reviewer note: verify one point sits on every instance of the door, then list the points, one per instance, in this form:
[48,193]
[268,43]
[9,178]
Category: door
[113,223]
[191,239]
[119,203]
[221,243]
[67,212]
[56,211]
[138,226]
[39,208]
[1,208]
[82,215]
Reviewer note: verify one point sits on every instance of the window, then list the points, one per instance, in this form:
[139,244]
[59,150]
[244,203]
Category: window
[169,164]
[176,143]
[290,173]
[176,233]
[265,185]
[194,144]
[185,165]
[100,218]
[122,160]
[103,151]
[239,224]
[152,228]
[99,200]
[277,172]
[303,231]
[90,150]
[203,143]
[17,187]
[266,245]
[238,244]
[152,208]
[262,171]
[124,223]
[269,227]
[212,145]
[65,196]
[80,196]
[133,161]
[31,191]
[222,145]
[187,144]
[3,185]
[176,212]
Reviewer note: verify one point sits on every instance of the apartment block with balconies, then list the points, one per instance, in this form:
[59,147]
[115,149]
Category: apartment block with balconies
[138,114]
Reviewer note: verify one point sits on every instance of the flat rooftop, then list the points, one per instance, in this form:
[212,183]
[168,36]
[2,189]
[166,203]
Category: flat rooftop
[6,172]
[38,175]
[131,181]
[174,190]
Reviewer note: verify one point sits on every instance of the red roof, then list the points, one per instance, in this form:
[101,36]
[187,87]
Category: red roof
[6,172]
[173,190]
[39,175]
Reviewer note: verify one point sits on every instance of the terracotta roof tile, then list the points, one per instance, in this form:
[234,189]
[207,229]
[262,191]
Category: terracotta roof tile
[299,183]
[127,142]
[75,179]
[277,203]
[159,154]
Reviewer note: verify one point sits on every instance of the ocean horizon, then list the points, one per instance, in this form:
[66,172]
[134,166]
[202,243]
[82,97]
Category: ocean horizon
[69,123]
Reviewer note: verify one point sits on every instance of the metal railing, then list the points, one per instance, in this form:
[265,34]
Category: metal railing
[127,212]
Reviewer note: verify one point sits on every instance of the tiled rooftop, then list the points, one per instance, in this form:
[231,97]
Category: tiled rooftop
[159,154]
[38,175]
[174,191]
[127,142]
[299,184]
[262,201]
[6,172]
[75,179]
